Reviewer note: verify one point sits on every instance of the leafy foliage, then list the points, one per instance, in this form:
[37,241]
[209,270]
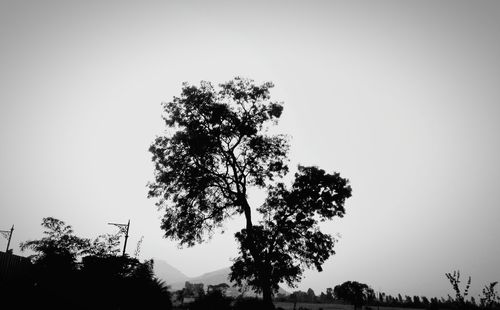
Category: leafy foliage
[289,237]
[61,242]
[218,149]
[100,280]
[354,292]
[59,248]
[217,145]
[104,245]
[490,297]
[455,281]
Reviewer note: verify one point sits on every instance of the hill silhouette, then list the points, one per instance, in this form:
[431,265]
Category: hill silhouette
[168,273]
[176,279]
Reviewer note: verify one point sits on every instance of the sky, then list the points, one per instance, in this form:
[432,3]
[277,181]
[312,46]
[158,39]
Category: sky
[400,97]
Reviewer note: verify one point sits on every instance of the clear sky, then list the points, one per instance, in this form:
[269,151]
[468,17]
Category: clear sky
[401,97]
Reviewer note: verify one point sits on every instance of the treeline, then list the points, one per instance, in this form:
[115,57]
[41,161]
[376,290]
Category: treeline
[350,292]
[70,272]
[381,300]
[360,294]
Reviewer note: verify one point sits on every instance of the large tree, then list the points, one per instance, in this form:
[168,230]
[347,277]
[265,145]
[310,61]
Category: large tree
[216,147]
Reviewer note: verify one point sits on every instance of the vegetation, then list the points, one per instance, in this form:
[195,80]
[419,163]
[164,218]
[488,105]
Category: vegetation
[490,297]
[355,293]
[70,272]
[460,298]
[217,147]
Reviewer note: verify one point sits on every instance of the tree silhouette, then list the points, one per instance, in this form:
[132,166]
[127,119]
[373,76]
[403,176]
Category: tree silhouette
[289,237]
[59,242]
[354,292]
[55,263]
[55,258]
[490,296]
[329,294]
[460,298]
[100,280]
[216,148]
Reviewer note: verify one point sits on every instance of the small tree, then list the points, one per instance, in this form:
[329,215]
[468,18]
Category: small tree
[490,296]
[59,249]
[454,279]
[311,296]
[425,300]
[329,294]
[217,148]
[355,293]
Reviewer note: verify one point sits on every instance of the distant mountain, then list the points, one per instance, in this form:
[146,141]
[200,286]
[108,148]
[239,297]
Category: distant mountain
[176,279]
[166,272]
[209,278]
[212,278]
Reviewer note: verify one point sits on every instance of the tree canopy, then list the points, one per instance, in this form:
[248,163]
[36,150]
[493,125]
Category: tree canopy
[59,248]
[289,236]
[73,272]
[354,292]
[218,145]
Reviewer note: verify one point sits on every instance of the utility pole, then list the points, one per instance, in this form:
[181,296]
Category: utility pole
[123,229]
[7,234]
[126,237]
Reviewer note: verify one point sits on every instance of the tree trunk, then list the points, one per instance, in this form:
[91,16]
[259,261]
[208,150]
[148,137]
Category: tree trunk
[267,297]
[266,288]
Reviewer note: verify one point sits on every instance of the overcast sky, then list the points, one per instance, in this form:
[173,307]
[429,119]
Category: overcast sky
[401,97]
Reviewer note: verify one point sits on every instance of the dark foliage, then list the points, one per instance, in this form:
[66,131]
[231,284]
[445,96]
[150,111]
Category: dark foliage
[59,248]
[216,148]
[70,272]
[289,237]
[355,293]
[488,300]
[490,297]
[455,281]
